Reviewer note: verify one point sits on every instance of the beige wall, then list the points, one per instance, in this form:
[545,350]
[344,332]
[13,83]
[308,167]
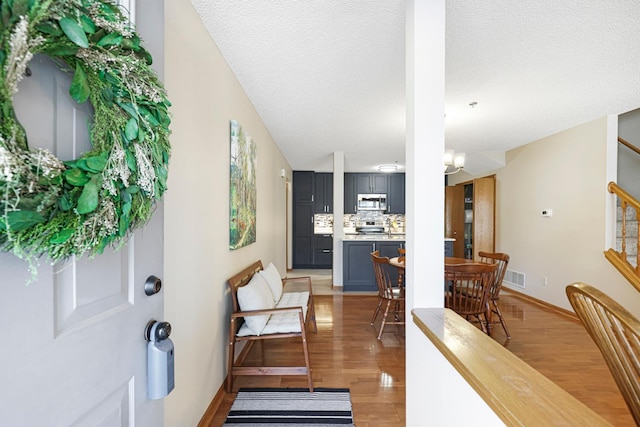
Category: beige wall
[565,172]
[205,96]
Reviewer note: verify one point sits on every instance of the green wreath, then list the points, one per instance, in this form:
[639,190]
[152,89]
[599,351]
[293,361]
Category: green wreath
[66,208]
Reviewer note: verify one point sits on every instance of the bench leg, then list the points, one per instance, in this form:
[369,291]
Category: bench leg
[232,350]
[305,349]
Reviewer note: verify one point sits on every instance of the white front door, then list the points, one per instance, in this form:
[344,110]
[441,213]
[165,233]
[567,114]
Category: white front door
[73,351]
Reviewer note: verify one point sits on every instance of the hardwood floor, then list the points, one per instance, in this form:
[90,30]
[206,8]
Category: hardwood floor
[346,353]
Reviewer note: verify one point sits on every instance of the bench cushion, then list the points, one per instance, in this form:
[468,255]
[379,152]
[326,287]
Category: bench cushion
[255,295]
[272,276]
[285,322]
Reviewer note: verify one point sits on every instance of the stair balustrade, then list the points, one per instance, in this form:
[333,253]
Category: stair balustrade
[626,256]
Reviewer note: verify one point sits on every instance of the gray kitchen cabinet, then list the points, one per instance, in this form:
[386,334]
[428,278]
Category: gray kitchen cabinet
[357,268]
[393,185]
[323,192]
[303,237]
[448,248]
[323,251]
[396,194]
[303,186]
[350,193]
[312,193]
[374,183]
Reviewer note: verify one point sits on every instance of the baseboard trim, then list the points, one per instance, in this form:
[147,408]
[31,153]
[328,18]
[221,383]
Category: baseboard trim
[209,414]
[212,409]
[563,311]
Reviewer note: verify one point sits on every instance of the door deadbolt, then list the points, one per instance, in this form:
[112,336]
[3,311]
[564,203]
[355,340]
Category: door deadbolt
[152,285]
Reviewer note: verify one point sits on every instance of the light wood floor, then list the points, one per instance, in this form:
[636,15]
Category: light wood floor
[346,353]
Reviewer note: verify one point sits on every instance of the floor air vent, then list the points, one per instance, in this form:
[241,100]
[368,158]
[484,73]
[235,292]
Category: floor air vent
[514,278]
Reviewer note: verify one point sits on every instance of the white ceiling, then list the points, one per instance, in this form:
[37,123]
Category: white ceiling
[329,75]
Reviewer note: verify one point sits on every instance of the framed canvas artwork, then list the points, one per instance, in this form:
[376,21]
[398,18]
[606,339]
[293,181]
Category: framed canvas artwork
[242,189]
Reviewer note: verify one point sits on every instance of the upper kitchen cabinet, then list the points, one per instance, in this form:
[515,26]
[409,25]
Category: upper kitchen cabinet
[350,193]
[396,194]
[376,183]
[323,194]
[391,184]
[470,216]
[303,186]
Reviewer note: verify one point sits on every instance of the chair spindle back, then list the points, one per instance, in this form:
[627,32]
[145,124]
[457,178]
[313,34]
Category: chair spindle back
[616,332]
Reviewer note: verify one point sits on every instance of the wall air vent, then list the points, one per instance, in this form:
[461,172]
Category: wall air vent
[514,278]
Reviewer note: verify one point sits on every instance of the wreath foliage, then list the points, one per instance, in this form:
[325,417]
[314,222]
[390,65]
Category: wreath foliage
[65,208]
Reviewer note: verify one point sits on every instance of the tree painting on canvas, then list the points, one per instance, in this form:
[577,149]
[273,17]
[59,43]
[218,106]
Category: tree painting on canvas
[242,191]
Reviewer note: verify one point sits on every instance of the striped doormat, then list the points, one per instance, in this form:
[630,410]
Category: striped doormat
[291,407]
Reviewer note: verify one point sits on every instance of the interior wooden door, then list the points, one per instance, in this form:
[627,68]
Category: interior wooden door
[484,214]
[454,217]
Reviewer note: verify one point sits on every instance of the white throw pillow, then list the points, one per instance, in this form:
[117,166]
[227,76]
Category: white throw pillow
[255,295]
[272,276]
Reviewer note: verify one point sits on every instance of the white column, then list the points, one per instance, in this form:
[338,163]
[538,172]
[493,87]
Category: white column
[431,379]
[338,213]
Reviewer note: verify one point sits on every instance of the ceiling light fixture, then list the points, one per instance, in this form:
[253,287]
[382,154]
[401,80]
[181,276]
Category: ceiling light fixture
[388,168]
[453,162]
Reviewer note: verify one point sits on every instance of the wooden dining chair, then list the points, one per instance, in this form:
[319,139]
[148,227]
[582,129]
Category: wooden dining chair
[502,260]
[468,288]
[388,292]
[616,332]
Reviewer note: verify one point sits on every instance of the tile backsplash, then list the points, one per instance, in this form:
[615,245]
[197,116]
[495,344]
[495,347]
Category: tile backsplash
[323,223]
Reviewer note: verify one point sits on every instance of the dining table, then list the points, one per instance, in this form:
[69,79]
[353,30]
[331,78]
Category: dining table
[447,261]
[395,262]
[400,265]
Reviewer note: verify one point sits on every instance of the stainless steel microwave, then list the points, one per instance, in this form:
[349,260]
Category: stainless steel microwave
[372,202]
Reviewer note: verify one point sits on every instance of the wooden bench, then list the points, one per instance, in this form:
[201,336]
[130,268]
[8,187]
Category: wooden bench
[292,313]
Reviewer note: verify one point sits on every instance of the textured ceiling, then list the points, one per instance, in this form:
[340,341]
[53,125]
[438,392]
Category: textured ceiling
[329,75]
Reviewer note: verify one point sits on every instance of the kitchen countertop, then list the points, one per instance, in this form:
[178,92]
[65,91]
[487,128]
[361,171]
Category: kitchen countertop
[374,237]
[385,236]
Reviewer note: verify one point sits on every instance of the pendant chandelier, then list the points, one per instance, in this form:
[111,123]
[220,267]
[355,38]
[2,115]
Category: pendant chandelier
[453,162]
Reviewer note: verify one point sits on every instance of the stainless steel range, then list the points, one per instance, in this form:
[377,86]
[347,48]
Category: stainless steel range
[369,223]
[370,227]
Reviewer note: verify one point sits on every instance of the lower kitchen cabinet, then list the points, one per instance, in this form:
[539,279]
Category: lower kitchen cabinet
[303,237]
[448,248]
[303,252]
[323,251]
[357,268]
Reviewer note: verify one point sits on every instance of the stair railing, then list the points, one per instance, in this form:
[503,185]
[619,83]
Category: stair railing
[619,258]
[629,145]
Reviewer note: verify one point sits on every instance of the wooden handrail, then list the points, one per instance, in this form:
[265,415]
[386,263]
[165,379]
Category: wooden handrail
[624,196]
[629,145]
[619,258]
[518,394]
